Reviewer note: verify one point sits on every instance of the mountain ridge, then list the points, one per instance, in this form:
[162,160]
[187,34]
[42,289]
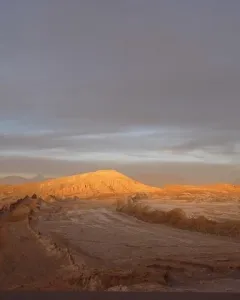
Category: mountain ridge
[111,183]
[14,179]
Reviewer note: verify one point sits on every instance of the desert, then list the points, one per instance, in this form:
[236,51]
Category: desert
[101,231]
[120,146]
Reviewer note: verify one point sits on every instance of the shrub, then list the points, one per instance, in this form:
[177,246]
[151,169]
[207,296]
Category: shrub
[178,219]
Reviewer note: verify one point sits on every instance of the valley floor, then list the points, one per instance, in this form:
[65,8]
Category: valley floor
[87,245]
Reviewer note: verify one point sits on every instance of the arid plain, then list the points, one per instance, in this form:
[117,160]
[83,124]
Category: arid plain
[105,231]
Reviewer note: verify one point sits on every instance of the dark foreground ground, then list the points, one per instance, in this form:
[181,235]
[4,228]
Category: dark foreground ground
[88,245]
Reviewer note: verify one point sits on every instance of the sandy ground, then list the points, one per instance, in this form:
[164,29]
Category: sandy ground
[106,250]
[25,263]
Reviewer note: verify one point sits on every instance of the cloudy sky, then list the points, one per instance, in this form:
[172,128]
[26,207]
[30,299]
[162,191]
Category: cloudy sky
[147,87]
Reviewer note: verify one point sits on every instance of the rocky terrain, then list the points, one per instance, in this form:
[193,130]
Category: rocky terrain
[71,234]
[100,184]
[112,184]
[87,245]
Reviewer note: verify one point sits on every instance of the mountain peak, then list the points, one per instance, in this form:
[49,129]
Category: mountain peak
[108,172]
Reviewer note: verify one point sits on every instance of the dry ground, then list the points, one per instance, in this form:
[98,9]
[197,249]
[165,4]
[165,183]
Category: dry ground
[88,245]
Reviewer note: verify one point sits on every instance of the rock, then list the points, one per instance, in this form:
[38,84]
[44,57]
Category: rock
[118,288]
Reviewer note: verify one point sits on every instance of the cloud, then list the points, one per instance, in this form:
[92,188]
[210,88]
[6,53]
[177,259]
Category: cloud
[170,144]
[75,64]
[130,79]
[215,142]
[35,165]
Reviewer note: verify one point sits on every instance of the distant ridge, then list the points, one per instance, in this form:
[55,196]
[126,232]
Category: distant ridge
[13,180]
[21,180]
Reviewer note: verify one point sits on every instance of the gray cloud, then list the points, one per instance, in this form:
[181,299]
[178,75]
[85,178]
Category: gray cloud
[98,67]
[75,60]
[53,167]
[181,140]
[218,142]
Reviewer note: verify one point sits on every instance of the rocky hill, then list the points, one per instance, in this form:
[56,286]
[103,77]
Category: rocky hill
[97,184]
[110,183]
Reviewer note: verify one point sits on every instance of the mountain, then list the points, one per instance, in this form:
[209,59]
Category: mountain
[13,180]
[21,180]
[110,183]
[97,184]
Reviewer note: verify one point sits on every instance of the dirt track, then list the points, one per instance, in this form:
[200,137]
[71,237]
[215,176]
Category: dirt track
[110,249]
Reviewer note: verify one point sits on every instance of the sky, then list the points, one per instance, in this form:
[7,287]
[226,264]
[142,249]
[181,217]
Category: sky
[148,87]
